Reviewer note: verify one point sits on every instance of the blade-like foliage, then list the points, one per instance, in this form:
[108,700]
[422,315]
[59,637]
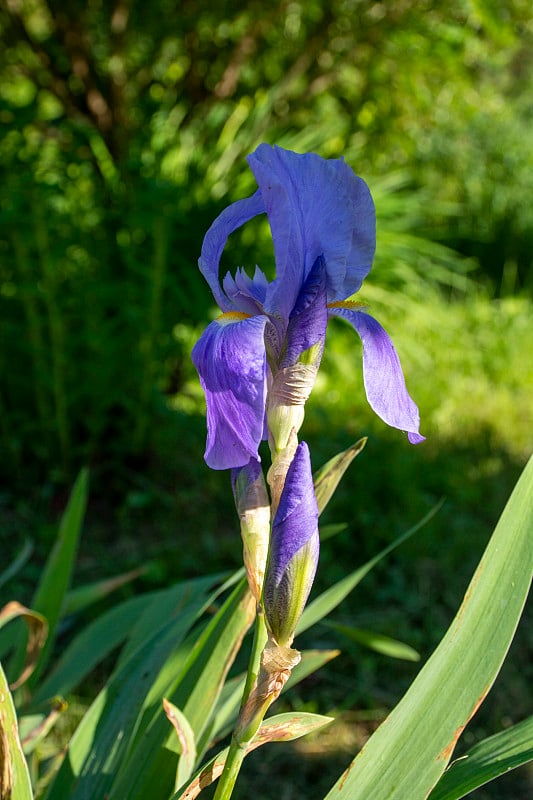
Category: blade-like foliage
[17,563]
[37,632]
[487,760]
[50,595]
[376,641]
[321,606]
[281,728]
[101,741]
[328,477]
[14,777]
[409,752]
[198,677]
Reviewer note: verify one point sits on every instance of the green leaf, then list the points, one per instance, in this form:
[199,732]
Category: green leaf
[485,761]
[90,647]
[196,687]
[321,606]
[280,728]
[230,697]
[187,744]
[55,579]
[35,727]
[327,478]
[101,741]
[377,642]
[409,752]
[17,563]
[84,596]
[34,641]
[14,776]
[328,531]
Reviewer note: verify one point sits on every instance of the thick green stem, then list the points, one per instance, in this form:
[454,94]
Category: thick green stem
[239,744]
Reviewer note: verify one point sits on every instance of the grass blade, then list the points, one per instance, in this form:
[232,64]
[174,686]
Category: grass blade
[322,605]
[409,752]
[376,641]
[14,776]
[55,580]
[485,761]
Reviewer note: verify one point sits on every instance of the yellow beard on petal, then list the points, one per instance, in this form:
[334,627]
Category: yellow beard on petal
[347,304]
[232,316]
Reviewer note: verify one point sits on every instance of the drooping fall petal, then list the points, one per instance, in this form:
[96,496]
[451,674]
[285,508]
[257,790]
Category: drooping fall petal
[231,361]
[382,372]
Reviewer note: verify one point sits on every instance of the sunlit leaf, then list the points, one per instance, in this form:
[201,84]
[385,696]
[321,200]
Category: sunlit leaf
[37,633]
[187,744]
[101,740]
[377,642]
[14,777]
[485,761]
[327,478]
[55,579]
[197,682]
[280,728]
[35,727]
[409,752]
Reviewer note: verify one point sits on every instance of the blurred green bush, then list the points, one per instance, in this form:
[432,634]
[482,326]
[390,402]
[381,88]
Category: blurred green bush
[125,128]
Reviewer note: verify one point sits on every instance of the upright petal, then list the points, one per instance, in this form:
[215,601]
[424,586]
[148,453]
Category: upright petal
[216,237]
[231,361]
[383,377]
[294,548]
[315,207]
[245,293]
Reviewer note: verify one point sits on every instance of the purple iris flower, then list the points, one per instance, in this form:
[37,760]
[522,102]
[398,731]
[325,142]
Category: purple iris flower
[294,549]
[322,221]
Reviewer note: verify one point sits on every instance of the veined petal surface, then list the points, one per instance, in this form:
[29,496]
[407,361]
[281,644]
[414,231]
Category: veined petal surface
[309,318]
[383,377]
[315,207]
[294,550]
[231,360]
[296,519]
[216,237]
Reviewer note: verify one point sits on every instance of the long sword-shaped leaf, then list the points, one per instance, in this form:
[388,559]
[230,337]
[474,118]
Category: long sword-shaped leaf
[14,777]
[196,689]
[281,728]
[37,632]
[321,606]
[487,760]
[55,579]
[101,741]
[328,477]
[409,752]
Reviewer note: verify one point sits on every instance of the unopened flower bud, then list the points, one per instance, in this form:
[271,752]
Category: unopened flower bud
[293,553]
[253,508]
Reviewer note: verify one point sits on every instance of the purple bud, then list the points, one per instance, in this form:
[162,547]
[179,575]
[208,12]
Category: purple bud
[294,548]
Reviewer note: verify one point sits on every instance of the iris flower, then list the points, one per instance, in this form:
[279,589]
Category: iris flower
[322,221]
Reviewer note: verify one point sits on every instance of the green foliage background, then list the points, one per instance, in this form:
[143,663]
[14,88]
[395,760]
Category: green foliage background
[124,128]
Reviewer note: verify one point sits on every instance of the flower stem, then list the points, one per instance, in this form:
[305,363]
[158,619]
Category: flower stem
[239,743]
